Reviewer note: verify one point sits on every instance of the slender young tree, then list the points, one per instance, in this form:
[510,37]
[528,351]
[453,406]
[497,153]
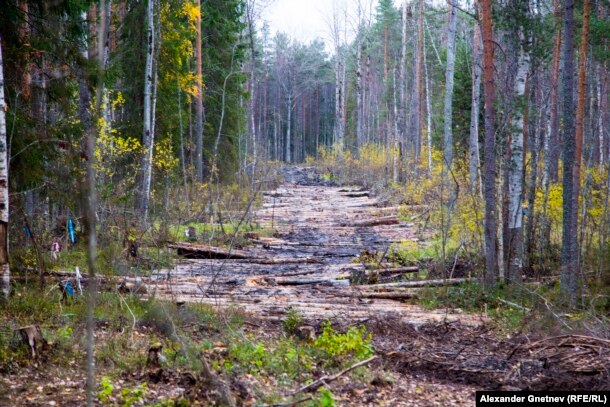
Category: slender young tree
[4,200]
[148,136]
[473,140]
[568,252]
[449,76]
[199,99]
[489,179]
[90,202]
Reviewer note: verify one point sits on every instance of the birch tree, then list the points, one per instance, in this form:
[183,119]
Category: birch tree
[148,136]
[199,99]
[473,140]
[515,182]
[449,76]
[4,198]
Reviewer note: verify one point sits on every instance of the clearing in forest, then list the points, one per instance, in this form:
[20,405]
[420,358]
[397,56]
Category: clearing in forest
[321,232]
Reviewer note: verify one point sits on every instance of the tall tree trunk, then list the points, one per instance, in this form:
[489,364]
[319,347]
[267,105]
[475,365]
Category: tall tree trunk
[199,100]
[578,139]
[489,180]
[288,157]
[182,154]
[515,169]
[417,105]
[473,144]
[338,133]
[449,76]
[535,143]
[403,73]
[359,95]
[428,108]
[568,252]
[89,201]
[553,148]
[4,197]
[148,136]
[250,18]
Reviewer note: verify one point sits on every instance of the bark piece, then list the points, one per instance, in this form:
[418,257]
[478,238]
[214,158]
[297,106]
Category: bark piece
[381,221]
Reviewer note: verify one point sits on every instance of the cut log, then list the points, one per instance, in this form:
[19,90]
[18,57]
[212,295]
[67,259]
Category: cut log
[389,295]
[288,260]
[200,251]
[310,281]
[363,194]
[384,220]
[425,283]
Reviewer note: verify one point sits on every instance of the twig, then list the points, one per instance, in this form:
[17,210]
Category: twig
[512,304]
[327,379]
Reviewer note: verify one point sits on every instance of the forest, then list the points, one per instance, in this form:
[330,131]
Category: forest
[197,208]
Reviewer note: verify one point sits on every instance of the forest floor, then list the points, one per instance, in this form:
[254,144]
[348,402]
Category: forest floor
[423,357]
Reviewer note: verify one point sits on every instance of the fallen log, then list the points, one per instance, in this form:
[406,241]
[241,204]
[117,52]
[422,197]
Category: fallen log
[425,283]
[310,281]
[200,251]
[384,220]
[364,194]
[394,270]
[279,261]
[389,295]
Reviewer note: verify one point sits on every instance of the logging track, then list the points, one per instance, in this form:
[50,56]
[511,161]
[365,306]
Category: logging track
[321,230]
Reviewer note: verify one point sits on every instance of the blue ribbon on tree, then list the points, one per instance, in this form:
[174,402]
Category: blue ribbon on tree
[71,229]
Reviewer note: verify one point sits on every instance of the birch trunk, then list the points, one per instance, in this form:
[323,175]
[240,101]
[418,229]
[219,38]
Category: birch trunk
[147,136]
[553,148]
[515,169]
[449,76]
[403,72]
[199,100]
[338,133]
[4,197]
[249,11]
[417,108]
[288,126]
[359,99]
[473,145]
[428,108]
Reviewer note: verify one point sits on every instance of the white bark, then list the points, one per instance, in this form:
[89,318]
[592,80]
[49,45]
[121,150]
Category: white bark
[288,126]
[359,104]
[4,198]
[473,145]
[403,70]
[449,76]
[428,109]
[148,136]
[515,170]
